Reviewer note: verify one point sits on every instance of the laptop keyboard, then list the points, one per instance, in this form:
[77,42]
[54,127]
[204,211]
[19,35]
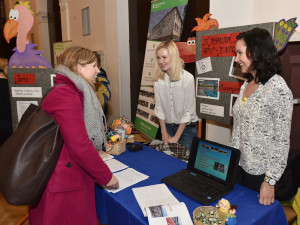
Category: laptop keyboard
[199,183]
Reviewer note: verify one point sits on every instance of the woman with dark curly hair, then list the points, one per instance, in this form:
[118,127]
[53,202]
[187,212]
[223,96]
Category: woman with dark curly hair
[262,115]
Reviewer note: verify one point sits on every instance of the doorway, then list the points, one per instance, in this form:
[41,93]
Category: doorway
[290,58]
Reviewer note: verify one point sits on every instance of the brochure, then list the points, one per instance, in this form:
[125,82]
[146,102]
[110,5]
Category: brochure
[173,214]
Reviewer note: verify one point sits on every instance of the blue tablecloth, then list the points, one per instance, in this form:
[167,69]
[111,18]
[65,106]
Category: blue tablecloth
[122,208]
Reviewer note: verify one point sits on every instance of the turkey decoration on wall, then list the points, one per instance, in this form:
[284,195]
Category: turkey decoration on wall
[206,23]
[19,24]
[187,50]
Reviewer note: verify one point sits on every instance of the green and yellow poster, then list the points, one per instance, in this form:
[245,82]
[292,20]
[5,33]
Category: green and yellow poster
[166,22]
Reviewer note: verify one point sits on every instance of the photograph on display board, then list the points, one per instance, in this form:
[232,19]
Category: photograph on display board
[233,98]
[166,24]
[146,106]
[154,119]
[235,70]
[142,113]
[143,103]
[207,88]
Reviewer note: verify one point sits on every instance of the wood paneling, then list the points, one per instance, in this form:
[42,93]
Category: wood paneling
[290,58]
[12,215]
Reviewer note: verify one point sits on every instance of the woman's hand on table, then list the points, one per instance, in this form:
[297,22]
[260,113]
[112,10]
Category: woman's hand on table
[267,194]
[113,183]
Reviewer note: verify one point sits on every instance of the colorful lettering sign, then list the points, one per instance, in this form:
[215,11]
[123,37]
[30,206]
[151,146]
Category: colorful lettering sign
[219,45]
[24,78]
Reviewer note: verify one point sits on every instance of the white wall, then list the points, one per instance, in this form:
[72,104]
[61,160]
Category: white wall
[124,58]
[263,11]
[233,13]
[109,23]
[230,13]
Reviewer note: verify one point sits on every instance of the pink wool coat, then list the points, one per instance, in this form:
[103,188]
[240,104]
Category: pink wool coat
[69,197]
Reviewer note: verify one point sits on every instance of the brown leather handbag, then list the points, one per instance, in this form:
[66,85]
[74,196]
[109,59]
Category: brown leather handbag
[29,156]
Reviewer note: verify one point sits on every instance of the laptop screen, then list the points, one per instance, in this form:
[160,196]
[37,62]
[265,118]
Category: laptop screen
[214,160]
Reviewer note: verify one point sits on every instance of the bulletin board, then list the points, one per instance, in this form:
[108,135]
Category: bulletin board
[218,79]
[27,86]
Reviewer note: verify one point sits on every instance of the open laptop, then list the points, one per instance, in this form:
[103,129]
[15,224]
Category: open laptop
[210,172]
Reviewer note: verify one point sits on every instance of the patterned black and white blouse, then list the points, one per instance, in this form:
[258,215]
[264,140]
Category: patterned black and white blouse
[261,128]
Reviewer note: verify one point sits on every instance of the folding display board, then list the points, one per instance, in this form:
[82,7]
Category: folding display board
[27,86]
[218,79]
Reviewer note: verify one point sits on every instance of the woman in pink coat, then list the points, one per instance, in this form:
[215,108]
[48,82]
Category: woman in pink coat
[69,197]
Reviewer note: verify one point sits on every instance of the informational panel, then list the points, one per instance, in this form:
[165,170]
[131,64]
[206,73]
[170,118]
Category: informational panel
[218,78]
[166,22]
[27,86]
[59,48]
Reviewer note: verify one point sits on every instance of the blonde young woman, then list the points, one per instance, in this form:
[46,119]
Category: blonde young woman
[69,197]
[175,100]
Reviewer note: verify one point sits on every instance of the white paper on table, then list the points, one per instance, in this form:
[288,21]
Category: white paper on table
[128,178]
[115,165]
[105,156]
[153,195]
[169,214]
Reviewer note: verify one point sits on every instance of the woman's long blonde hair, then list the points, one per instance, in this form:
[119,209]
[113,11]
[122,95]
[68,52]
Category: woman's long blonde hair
[177,63]
[75,55]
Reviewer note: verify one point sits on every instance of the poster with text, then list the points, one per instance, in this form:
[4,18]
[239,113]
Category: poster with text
[59,48]
[166,22]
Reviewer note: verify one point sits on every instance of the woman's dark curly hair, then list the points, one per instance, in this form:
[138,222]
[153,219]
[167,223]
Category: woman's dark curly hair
[263,54]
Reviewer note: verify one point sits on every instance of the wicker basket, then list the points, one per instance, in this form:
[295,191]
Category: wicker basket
[116,149]
[206,211]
